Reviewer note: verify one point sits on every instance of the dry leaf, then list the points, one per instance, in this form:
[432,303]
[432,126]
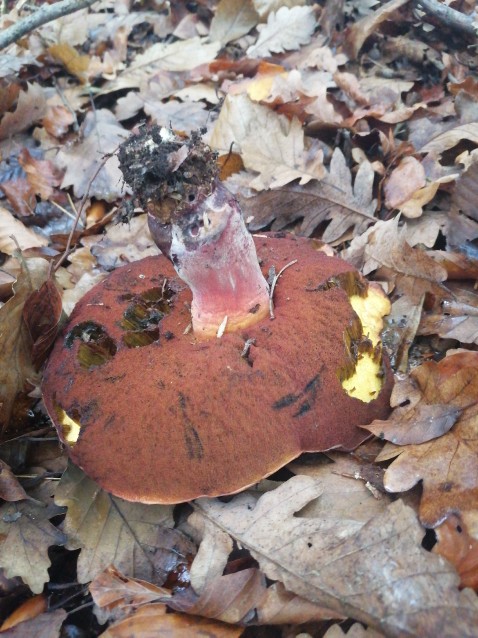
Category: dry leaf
[31,608]
[335,198]
[47,625]
[90,166]
[25,536]
[403,181]
[119,596]
[451,138]
[346,496]
[31,107]
[10,488]
[264,7]
[357,630]
[364,28]
[270,144]
[17,372]
[111,531]
[233,19]
[151,621]
[183,55]
[415,425]
[74,63]
[14,234]
[42,314]
[447,465]
[286,30]
[456,545]
[379,574]
[455,318]
[280,156]
[465,195]
[181,116]
[212,555]
[123,243]
[41,174]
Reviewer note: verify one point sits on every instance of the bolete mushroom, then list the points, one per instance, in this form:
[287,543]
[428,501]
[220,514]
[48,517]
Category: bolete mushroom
[283,355]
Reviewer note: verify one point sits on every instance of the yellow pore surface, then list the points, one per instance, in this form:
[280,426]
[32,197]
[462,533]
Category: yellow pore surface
[366,382]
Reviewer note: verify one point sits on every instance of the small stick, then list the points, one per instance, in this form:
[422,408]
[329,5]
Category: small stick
[46,13]
[273,285]
[455,20]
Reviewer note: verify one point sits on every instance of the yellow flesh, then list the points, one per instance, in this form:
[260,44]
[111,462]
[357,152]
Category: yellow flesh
[71,428]
[366,382]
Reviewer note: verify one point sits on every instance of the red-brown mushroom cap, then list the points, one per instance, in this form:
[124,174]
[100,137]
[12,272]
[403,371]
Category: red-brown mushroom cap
[154,414]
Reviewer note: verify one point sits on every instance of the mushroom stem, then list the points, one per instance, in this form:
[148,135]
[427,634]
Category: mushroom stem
[215,255]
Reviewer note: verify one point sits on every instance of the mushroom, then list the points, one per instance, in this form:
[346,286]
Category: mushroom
[200,372]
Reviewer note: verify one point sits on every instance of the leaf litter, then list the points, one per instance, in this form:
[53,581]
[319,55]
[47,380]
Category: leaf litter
[352,136]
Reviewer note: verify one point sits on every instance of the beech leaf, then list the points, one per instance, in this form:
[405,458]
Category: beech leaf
[378,574]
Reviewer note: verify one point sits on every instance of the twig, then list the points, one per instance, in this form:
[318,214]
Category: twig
[273,285]
[449,17]
[46,13]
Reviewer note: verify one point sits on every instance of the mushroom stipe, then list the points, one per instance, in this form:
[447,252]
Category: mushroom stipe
[158,414]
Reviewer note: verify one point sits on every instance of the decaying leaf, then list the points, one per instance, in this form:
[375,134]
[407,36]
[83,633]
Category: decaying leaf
[451,138]
[417,424]
[41,174]
[334,198]
[151,621]
[233,19]
[47,625]
[286,30]
[183,55]
[42,314]
[30,108]
[111,531]
[269,143]
[10,488]
[91,166]
[17,373]
[378,574]
[465,194]
[457,317]
[362,29]
[14,234]
[25,536]
[118,596]
[456,545]
[123,243]
[448,465]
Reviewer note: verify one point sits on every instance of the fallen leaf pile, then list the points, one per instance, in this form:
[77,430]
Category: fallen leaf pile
[353,123]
